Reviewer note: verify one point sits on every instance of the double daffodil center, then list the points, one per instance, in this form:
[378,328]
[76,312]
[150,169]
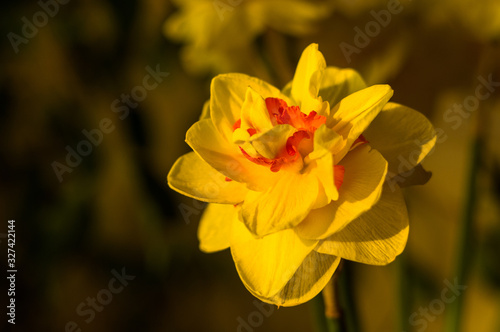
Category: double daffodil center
[289,139]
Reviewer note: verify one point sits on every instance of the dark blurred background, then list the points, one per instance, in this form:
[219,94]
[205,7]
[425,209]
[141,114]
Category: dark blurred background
[82,220]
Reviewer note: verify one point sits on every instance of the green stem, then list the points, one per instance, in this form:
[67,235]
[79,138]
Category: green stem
[465,249]
[324,323]
[346,296]
[405,298]
[318,311]
[333,325]
[466,242]
[326,308]
[488,64]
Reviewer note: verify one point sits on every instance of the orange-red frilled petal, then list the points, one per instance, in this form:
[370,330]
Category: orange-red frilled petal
[281,113]
[193,177]
[338,175]
[227,95]
[365,170]
[282,206]
[226,157]
[275,134]
[377,236]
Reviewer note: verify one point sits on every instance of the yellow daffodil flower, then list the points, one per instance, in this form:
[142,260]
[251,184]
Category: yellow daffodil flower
[299,178]
[219,33]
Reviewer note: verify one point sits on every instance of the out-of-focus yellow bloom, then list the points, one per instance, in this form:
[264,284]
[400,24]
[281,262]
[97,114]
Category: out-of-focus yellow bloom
[219,33]
[300,178]
[481,19]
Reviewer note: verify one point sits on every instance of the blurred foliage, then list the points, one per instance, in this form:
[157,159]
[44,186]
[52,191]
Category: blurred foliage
[114,210]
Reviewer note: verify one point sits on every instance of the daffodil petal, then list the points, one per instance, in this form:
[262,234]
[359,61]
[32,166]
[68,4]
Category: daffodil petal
[192,176]
[267,144]
[337,83]
[377,236]
[270,143]
[282,206]
[214,232]
[402,135]
[324,170]
[309,279]
[265,265]
[205,112]
[226,157]
[287,89]
[326,141]
[254,112]
[307,78]
[227,95]
[365,171]
[353,114]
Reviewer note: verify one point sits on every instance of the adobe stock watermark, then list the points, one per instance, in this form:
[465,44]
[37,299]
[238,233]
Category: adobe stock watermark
[94,137]
[372,29]
[187,211]
[221,7]
[93,305]
[421,318]
[29,30]
[455,117]
[256,318]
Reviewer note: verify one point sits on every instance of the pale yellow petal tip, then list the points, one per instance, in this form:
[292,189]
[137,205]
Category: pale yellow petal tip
[311,47]
[384,87]
[210,250]
[171,174]
[313,56]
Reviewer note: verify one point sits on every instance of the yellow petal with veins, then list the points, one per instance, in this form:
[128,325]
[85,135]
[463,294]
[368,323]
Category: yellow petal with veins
[226,157]
[402,135]
[365,171]
[272,142]
[214,231]
[377,236]
[282,206]
[193,177]
[227,95]
[337,83]
[307,78]
[353,114]
[254,112]
[266,265]
[307,282]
